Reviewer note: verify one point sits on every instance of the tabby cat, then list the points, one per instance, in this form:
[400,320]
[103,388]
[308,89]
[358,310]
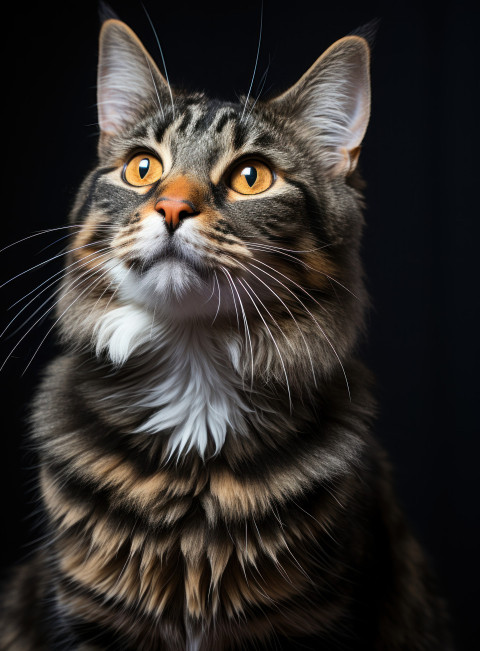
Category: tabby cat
[208,473]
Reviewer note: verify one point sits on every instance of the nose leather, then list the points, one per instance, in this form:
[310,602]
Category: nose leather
[174,211]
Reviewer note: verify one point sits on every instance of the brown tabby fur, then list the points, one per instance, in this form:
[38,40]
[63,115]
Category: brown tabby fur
[284,534]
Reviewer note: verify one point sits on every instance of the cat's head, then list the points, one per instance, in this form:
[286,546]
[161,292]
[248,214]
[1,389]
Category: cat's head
[215,210]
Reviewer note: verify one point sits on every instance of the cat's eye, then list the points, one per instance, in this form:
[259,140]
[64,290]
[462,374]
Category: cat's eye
[251,177]
[142,169]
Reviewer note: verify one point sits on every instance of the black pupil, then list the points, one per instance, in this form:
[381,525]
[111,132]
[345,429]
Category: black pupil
[250,174]
[143,167]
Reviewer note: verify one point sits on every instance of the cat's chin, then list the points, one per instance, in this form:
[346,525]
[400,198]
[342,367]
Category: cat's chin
[171,286]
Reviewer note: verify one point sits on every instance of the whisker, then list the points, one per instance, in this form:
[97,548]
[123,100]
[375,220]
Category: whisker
[93,227]
[41,264]
[59,240]
[280,248]
[89,289]
[302,570]
[282,571]
[163,58]
[116,289]
[308,312]
[58,273]
[322,307]
[321,524]
[262,84]
[43,232]
[274,343]
[268,312]
[256,62]
[120,248]
[101,296]
[219,298]
[245,321]
[233,295]
[289,343]
[303,263]
[155,87]
[211,293]
[80,263]
[290,313]
[32,326]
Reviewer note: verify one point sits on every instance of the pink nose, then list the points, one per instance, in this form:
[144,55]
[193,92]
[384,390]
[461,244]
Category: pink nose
[173,211]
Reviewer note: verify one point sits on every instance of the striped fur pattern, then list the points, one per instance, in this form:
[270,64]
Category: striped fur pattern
[208,475]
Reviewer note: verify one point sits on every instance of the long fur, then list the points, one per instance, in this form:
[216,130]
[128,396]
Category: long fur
[208,475]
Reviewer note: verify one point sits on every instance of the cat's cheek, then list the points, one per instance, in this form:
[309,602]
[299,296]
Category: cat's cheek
[151,238]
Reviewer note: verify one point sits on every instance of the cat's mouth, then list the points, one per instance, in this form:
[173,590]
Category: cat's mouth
[171,255]
[175,273]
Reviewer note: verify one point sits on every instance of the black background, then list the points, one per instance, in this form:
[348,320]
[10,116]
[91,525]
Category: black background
[420,247]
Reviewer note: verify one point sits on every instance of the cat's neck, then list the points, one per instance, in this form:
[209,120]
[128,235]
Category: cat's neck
[180,378]
[198,385]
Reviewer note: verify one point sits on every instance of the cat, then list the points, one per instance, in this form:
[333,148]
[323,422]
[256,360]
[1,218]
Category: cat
[208,471]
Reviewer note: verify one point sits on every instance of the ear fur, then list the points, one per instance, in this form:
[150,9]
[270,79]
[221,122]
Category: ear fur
[128,79]
[332,99]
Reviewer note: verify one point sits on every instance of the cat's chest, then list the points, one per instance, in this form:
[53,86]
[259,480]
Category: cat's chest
[186,551]
[194,396]
[184,385]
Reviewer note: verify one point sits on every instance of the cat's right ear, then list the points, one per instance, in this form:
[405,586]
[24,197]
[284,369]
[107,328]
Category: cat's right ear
[128,82]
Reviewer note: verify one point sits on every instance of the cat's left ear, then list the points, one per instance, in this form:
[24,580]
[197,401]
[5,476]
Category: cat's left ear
[332,103]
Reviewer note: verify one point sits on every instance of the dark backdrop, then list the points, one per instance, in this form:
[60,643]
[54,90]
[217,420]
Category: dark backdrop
[420,245]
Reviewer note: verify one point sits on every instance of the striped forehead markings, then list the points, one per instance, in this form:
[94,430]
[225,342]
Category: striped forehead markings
[160,131]
[226,117]
[206,119]
[217,124]
[239,135]
[140,131]
[186,120]
[202,117]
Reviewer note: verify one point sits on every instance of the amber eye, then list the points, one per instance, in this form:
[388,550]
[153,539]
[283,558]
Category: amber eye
[142,169]
[251,177]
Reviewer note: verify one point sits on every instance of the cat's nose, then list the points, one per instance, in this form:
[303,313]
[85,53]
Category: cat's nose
[174,211]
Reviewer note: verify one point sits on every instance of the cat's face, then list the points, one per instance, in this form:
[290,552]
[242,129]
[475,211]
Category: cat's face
[193,194]
[212,209]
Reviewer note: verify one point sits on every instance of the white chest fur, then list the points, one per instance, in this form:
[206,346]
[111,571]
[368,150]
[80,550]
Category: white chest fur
[182,377]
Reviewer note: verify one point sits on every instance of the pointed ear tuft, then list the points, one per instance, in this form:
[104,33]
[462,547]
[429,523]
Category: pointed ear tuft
[129,82]
[105,12]
[332,103]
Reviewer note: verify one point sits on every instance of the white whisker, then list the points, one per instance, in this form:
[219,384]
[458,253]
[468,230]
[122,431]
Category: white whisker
[219,298]
[80,264]
[41,264]
[274,343]
[58,273]
[308,312]
[256,62]
[59,289]
[291,314]
[304,264]
[160,107]
[36,322]
[89,289]
[262,84]
[234,299]
[280,248]
[44,232]
[163,58]
[245,321]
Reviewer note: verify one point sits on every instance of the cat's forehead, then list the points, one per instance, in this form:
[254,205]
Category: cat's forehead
[204,134]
